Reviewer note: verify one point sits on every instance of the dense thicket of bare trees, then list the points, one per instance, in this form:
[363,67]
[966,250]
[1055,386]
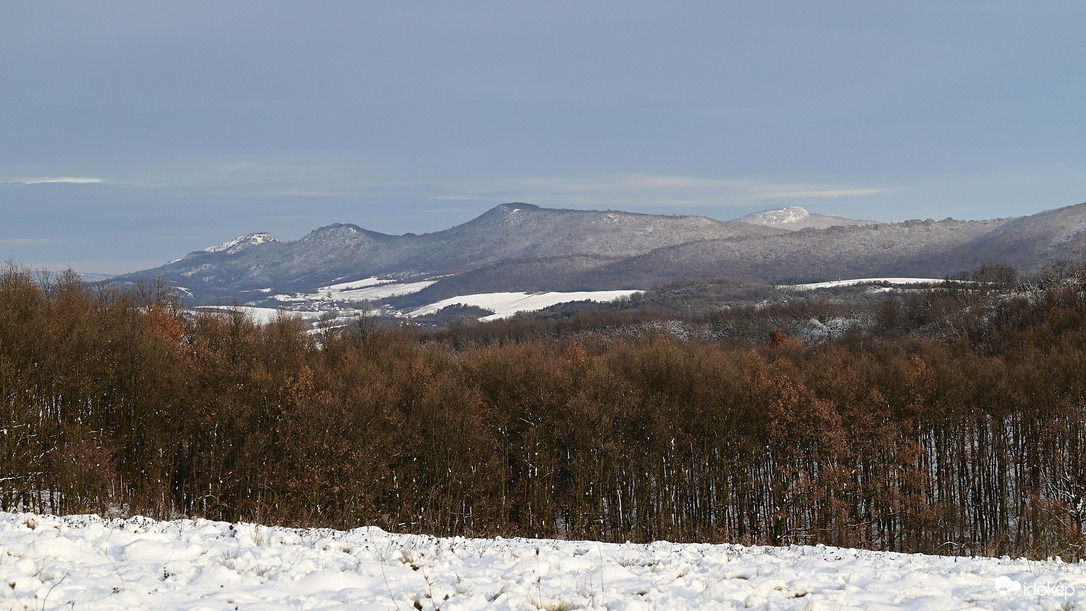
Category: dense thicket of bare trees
[959,427]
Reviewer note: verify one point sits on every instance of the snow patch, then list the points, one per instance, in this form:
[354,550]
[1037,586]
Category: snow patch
[1072,234]
[779,217]
[857,281]
[260,316]
[505,305]
[263,316]
[355,284]
[241,242]
[369,289]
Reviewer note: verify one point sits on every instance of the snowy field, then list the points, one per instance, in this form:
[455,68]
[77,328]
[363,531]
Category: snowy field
[858,281]
[368,289]
[85,562]
[505,305]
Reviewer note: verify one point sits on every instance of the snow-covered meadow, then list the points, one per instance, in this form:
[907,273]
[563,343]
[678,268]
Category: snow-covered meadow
[86,562]
[860,281]
[505,305]
[367,289]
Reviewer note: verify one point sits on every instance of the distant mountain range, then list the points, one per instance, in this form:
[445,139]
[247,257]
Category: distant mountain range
[522,247]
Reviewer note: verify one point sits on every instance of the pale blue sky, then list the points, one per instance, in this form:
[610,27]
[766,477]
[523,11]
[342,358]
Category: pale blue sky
[134,132]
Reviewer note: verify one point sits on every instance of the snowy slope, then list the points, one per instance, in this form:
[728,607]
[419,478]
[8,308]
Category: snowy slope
[85,562]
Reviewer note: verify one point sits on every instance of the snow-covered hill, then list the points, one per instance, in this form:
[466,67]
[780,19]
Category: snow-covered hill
[796,217]
[242,242]
[85,562]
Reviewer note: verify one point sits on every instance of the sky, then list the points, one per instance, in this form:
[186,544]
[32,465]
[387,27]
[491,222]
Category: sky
[132,133]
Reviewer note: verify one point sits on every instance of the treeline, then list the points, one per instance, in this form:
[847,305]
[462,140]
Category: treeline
[956,425]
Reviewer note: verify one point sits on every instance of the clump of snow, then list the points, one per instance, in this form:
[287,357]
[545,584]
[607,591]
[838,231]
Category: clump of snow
[505,305]
[86,562]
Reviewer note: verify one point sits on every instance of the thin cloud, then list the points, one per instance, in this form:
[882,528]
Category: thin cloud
[687,203]
[816,193]
[663,181]
[74,180]
[548,187]
[27,241]
[303,193]
[636,191]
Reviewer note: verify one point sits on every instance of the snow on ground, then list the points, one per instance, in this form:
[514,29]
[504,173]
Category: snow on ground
[369,289]
[263,316]
[505,305]
[356,284]
[310,306]
[85,562]
[856,281]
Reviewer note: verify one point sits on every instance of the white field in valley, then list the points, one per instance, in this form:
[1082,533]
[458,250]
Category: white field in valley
[86,562]
[505,305]
[368,289]
[858,281]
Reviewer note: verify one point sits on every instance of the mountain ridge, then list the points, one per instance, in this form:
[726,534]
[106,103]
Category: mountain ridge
[509,231]
[524,247]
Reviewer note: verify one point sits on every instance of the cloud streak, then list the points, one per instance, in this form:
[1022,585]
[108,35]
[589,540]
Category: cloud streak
[816,193]
[304,193]
[648,191]
[21,242]
[73,180]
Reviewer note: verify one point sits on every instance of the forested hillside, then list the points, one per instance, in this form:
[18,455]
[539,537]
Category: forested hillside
[955,422]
